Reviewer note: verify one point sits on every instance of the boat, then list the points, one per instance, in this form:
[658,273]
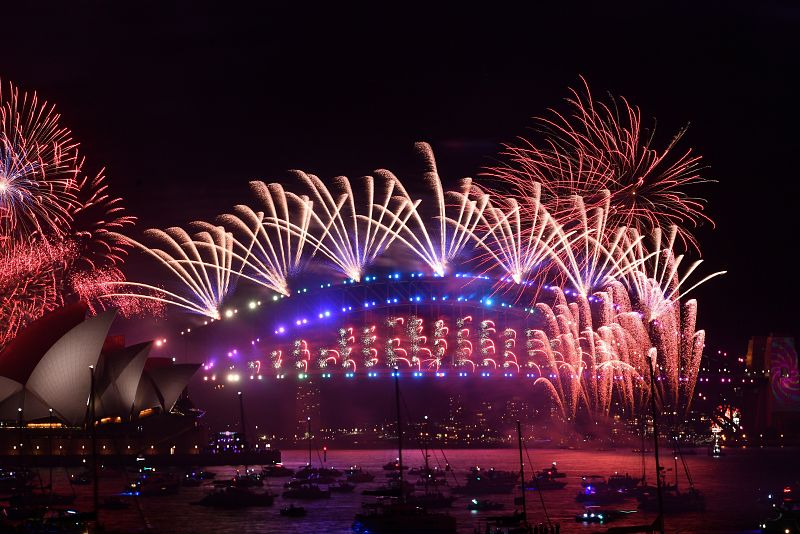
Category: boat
[593,480]
[248,480]
[55,520]
[786,520]
[623,482]
[15,479]
[600,495]
[674,501]
[476,505]
[11,515]
[395,488]
[431,499]
[517,522]
[155,484]
[396,516]
[715,449]
[552,472]
[544,483]
[598,514]
[307,491]
[196,477]
[84,478]
[357,475]
[394,465]
[293,511]
[431,482]
[317,473]
[276,470]
[489,481]
[427,472]
[233,497]
[342,487]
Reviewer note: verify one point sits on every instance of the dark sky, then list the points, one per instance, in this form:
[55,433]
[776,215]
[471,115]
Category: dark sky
[185,103]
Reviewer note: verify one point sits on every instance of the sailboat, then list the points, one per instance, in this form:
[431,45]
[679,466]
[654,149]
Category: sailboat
[673,499]
[517,522]
[432,498]
[395,516]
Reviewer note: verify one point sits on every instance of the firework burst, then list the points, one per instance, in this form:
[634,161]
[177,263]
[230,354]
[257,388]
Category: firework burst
[350,237]
[38,167]
[204,266]
[271,243]
[603,146]
[438,248]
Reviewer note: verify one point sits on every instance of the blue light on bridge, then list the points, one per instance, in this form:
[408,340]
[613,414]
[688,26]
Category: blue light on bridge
[349,375]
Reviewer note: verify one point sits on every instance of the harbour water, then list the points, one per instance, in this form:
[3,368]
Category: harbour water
[732,485]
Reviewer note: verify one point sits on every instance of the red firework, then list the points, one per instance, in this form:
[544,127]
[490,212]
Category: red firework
[30,283]
[97,219]
[92,286]
[603,146]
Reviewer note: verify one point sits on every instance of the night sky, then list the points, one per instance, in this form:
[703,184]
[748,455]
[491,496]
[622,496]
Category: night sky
[185,104]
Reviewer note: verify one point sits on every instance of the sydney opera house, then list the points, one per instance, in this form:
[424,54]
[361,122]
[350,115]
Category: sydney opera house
[47,376]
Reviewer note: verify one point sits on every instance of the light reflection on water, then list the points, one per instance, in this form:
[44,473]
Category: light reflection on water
[731,484]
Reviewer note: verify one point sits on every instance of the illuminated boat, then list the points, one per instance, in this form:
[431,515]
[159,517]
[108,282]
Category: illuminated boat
[552,472]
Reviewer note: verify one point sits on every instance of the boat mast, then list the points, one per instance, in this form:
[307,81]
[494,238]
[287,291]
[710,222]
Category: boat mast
[241,417]
[399,432]
[92,416]
[655,446]
[308,433]
[521,472]
[642,452]
[675,455]
[243,428]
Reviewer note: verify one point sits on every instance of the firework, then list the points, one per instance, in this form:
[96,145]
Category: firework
[655,279]
[350,237]
[515,244]
[203,266]
[271,245]
[38,167]
[96,219]
[436,249]
[599,146]
[31,276]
